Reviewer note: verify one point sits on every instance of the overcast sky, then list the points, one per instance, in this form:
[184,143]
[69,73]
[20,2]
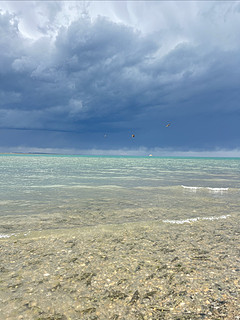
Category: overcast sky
[83,76]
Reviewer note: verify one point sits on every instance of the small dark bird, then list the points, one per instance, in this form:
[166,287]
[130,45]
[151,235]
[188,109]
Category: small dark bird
[168,125]
[133,135]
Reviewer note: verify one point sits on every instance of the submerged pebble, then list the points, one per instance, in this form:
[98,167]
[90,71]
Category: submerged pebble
[132,271]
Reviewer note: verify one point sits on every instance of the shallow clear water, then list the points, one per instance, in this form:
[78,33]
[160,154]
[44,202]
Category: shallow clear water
[149,238]
[46,191]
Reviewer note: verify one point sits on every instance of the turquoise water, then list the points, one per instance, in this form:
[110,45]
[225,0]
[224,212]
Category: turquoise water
[46,191]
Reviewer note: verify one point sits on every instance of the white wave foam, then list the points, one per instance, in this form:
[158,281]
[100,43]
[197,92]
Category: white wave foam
[217,189]
[191,188]
[209,188]
[6,235]
[196,219]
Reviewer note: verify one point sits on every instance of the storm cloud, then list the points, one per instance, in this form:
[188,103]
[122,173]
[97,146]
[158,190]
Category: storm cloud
[86,76]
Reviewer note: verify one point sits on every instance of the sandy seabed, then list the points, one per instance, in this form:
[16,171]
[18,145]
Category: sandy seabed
[147,270]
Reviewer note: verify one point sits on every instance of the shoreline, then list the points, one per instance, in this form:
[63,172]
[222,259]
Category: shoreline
[60,229]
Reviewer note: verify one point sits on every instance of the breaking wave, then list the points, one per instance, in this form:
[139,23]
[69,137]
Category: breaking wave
[206,188]
[196,219]
[191,188]
[4,236]
[217,189]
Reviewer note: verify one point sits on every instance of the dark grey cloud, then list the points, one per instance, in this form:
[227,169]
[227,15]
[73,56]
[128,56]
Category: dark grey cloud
[87,77]
[87,72]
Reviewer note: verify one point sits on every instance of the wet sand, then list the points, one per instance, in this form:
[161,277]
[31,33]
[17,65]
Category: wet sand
[147,270]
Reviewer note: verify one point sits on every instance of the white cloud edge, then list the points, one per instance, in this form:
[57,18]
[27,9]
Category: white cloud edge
[141,151]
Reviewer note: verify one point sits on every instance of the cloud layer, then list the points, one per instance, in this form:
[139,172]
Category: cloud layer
[80,75]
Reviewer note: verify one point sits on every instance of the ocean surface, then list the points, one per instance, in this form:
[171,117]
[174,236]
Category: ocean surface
[39,192]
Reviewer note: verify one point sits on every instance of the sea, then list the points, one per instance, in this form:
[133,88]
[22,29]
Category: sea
[46,192]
